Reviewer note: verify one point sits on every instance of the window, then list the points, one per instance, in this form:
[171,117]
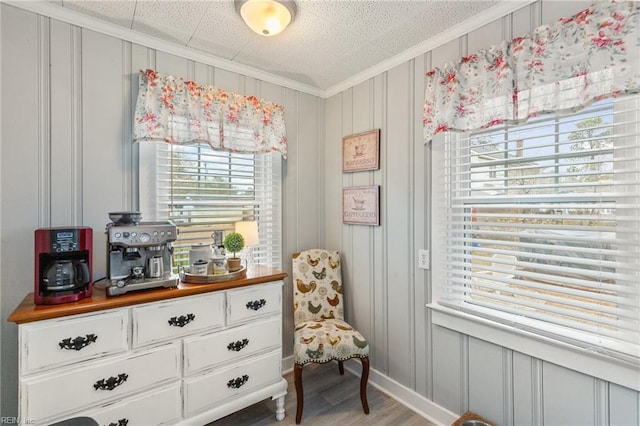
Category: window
[539,227]
[203,190]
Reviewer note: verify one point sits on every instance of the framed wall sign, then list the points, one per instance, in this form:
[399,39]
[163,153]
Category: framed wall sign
[361,205]
[361,152]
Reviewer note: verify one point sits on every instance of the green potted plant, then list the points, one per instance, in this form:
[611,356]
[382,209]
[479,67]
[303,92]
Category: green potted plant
[233,243]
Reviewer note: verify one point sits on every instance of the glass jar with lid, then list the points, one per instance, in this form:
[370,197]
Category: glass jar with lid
[218,265]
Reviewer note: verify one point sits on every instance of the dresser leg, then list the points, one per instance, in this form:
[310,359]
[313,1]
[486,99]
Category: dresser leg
[280,408]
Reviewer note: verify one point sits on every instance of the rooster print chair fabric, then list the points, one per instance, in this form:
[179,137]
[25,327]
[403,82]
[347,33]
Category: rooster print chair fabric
[321,334]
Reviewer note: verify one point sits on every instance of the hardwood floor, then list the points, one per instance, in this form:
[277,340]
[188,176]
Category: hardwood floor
[330,399]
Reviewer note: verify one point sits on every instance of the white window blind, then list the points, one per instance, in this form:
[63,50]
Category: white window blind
[538,226]
[203,190]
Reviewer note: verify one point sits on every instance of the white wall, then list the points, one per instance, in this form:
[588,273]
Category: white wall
[387,294]
[67,157]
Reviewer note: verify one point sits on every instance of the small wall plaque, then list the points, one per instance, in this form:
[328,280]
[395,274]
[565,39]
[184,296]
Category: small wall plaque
[361,205]
[361,152]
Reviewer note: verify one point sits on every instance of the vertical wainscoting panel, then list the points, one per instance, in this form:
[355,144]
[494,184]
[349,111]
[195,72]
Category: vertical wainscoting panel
[291,222]
[486,378]
[167,63]
[447,52]
[252,87]
[527,390]
[360,288]
[130,175]
[103,164]
[65,149]
[624,406]
[523,21]
[349,258]
[333,173]
[274,94]
[229,81]
[291,174]
[76,122]
[318,143]
[347,230]
[203,74]
[142,58]
[397,222]
[44,121]
[522,390]
[421,169]
[303,187]
[378,315]
[483,38]
[601,397]
[20,179]
[568,397]
[448,371]
[308,176]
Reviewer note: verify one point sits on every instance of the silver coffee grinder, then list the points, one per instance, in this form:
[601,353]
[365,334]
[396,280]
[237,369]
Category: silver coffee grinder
[139,254]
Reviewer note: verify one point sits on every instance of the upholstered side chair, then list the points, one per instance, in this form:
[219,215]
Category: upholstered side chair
[321,334]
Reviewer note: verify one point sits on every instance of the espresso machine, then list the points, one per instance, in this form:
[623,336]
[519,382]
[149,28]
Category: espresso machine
[63,264]
[139,254]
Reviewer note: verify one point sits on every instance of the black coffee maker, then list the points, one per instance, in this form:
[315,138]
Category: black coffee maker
[63,263]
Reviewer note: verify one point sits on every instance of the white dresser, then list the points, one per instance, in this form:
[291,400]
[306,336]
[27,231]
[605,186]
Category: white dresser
[189,356]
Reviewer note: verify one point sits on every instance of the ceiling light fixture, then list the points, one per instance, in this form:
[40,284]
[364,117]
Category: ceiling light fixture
[266,17]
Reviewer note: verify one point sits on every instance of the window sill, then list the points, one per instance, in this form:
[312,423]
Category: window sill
[562,354]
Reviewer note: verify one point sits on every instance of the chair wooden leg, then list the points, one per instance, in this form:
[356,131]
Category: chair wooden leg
[297,374]
[363,384]
[341,367]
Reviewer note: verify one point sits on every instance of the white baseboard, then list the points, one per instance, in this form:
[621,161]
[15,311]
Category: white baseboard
[287,364]
[405,396]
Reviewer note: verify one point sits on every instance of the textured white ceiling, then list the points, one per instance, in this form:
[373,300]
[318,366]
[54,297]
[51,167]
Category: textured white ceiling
[329,41]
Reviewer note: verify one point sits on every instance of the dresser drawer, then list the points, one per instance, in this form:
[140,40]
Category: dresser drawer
[211,389]
[168,320]
[64,341]
[159,407]
[202,352]
[53,394]
[254,302]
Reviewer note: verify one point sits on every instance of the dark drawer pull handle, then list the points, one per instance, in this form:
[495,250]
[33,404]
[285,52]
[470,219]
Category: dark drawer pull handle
[77,343]
[237,382]
[121,422]
[238,345]
[111,383]
[256,304]
[182,320]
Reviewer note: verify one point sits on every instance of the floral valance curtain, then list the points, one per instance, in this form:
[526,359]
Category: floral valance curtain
[560,68]
[173,110]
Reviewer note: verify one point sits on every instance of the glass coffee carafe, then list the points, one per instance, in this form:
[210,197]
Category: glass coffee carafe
[65,274]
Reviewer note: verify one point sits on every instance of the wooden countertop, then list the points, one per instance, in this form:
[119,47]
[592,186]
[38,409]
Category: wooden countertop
[27,311]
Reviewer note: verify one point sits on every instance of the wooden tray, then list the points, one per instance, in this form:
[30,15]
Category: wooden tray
[187,277]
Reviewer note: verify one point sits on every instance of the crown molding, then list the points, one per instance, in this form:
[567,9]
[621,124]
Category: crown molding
[70,16]
[73,17]
[484,18]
